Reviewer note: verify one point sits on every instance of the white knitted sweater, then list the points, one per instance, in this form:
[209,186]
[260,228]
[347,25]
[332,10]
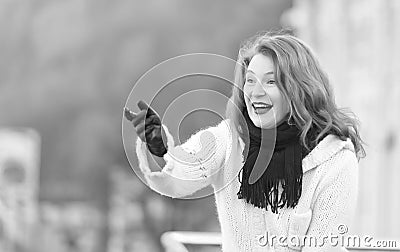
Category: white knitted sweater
[213,156]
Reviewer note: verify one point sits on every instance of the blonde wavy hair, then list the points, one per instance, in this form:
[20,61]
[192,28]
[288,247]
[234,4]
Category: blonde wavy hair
[304,85]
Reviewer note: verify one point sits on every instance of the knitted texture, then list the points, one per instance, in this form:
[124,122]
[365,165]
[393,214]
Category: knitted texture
[213,156]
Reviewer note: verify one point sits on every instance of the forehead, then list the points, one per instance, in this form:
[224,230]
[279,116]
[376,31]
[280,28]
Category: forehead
[261,64]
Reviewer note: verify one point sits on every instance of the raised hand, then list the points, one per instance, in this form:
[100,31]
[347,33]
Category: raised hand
[148,128]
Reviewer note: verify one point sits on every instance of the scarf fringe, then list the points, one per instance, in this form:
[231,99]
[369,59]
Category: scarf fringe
[265,192]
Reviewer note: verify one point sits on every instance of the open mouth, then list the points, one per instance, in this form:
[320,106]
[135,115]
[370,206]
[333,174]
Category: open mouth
[261,107]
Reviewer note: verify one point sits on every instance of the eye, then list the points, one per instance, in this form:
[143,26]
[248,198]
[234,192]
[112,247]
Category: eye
[250,80]
[271,82]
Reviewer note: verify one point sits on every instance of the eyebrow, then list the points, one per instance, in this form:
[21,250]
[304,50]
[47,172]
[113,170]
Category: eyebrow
[268,73]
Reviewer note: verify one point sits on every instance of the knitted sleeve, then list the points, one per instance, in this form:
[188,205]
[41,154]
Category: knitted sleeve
[190,166]
[334,205]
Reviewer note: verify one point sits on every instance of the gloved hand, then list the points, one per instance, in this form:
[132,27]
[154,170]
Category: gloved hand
[148,127]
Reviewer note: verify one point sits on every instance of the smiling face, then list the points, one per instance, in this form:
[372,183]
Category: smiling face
[265,102]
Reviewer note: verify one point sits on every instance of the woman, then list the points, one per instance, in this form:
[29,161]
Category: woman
[295,154]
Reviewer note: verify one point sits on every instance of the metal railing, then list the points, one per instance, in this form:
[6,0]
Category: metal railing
[175,241]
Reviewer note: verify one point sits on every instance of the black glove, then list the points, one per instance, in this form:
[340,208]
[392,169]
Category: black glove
[148,127]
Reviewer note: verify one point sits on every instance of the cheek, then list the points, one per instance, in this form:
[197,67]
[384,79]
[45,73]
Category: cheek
[287,108]
[285,104]
[246,93]
[280,99]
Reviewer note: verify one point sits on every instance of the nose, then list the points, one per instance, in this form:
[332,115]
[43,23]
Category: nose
[259,90]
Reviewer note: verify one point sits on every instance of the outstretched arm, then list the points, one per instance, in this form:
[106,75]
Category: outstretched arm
[188,167]
[177,171]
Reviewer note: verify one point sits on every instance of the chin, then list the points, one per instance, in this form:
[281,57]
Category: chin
[266,126]
[261,123]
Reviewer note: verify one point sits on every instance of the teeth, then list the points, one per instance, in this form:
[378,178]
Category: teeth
[261,105]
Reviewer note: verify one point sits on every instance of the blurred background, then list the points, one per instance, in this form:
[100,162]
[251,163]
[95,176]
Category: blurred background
[66,70]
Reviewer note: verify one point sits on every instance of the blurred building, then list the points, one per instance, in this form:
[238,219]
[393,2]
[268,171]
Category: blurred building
[358,42]
[19,182]
[68,227]
[129,220]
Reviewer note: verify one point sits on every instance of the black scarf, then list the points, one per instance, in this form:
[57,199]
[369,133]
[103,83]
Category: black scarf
[284,168]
